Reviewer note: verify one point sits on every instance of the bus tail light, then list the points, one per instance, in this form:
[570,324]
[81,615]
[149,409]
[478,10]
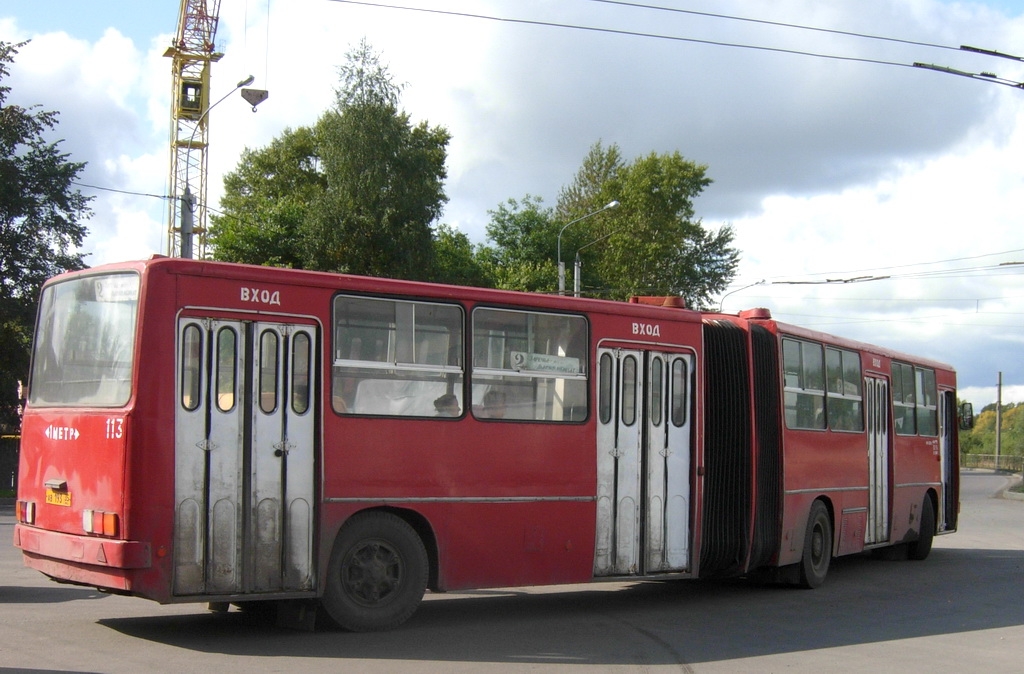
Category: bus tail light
[100,522]
[26,512]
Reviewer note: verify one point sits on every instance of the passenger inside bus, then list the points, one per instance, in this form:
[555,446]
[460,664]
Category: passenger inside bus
[447,405]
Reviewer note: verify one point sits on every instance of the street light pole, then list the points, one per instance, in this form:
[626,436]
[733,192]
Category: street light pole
[561,265]
[186,226]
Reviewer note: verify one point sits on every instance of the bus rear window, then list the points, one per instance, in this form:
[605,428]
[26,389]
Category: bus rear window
[84,342]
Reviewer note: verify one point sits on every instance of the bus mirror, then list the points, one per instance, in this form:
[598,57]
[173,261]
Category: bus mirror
[966,416]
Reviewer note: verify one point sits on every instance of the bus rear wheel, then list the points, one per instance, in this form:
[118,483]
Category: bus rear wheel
[922,547]
[377,574]
[817,553]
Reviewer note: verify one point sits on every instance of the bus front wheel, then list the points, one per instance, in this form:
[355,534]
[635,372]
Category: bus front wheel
[377,574]
[817,553]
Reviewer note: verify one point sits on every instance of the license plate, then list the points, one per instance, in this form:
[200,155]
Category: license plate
[61,498]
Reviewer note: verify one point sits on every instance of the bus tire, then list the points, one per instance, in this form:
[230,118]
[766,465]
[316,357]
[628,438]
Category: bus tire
[377,573]
[921,548]
[817,553]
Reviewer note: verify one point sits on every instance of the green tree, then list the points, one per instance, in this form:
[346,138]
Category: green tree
[40,227]
[523,236]
[650,244]
[982,438]
[456,260]
[267,199]
[365,184]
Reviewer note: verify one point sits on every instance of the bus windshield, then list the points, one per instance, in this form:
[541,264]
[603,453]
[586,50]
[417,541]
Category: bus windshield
[84,342]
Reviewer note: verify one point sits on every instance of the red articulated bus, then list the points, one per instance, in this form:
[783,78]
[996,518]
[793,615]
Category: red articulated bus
[200,431]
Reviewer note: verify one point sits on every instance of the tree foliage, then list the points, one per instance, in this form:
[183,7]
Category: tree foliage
[649,244]
[982,438]
[267,201]
[523,238]
[41,226]
[365,186]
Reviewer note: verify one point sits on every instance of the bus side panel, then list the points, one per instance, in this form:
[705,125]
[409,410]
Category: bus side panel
[508,502]
[916,470]
[517,544]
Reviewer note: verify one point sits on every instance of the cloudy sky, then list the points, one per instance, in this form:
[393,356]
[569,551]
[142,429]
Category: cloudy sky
[869,198]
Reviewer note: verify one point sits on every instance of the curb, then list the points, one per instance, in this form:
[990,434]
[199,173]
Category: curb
[1012,480]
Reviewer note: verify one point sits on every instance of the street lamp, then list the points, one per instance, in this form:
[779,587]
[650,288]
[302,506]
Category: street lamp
[187,198]
[577,268]
[561,265]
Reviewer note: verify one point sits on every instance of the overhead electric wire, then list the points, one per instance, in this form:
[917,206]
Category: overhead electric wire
[783,24]
[619,31]
[985,76]
[128,192]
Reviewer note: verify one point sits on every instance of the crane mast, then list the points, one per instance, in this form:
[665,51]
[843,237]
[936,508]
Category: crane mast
[192,53]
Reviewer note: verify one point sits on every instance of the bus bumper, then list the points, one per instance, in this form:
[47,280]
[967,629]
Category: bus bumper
[87,560]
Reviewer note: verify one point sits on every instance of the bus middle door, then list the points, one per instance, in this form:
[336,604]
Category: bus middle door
[643,462]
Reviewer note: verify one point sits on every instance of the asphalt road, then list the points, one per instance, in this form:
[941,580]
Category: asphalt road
[960,610]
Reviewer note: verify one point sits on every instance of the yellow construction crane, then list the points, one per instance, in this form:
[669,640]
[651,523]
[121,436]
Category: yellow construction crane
[192,53]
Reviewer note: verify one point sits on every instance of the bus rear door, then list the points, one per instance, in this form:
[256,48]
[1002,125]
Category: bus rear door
[245,443]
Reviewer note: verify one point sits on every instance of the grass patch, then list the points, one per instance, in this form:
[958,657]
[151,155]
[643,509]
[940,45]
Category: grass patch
[6,493]
[1018,488]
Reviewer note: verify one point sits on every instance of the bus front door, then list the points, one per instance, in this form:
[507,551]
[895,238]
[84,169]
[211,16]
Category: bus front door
[245,434]
[643,462]
[950,506]
[876,402]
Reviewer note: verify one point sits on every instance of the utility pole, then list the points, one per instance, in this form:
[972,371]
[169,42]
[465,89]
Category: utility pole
[999,418]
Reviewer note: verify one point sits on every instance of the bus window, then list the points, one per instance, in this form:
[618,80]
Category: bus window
[903,399]
[85,342]
[657,391]
[227,368]
[396,357]
[300,373]
[628,412]
[535,361]
[679,380]
[927,401]
[606,394]
[804,384]
[845,402]
[268,371]
[191,367]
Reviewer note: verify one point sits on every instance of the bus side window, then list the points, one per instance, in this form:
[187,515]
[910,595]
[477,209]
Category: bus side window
[535,360]
[903,399]
[804,370]
[191,366]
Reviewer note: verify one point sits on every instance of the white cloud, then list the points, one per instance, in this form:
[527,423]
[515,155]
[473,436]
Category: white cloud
[821,165]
